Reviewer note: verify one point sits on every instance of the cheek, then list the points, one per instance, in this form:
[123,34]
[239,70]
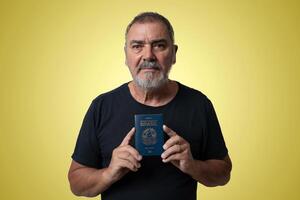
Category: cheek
[166,60]
[132,60]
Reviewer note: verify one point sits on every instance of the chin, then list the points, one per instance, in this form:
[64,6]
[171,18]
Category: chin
[150,84]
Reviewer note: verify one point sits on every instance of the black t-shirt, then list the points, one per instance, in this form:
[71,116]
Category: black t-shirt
[110,117]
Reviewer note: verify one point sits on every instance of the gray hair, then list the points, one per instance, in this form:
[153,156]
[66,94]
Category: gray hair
[152,17]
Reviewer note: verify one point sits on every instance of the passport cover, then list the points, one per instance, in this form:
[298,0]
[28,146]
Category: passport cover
[149,137]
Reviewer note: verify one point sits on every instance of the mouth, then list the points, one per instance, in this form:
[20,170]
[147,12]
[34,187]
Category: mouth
[149,69]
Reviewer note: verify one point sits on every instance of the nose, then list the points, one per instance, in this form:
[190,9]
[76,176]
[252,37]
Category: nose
[148,53]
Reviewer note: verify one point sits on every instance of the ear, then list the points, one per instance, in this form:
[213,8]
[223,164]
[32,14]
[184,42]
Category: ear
[175,48]
[125,55]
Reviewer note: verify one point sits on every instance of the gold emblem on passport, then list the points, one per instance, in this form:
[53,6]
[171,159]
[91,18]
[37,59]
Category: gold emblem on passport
[149,136]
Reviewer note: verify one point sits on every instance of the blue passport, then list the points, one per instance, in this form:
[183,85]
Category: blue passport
[149,137]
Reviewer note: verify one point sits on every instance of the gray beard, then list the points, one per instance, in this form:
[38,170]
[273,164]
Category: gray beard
[150,82]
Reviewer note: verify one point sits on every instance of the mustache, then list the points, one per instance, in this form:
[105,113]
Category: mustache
[149,65]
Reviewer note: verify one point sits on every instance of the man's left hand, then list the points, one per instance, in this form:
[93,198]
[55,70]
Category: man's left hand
[177,151]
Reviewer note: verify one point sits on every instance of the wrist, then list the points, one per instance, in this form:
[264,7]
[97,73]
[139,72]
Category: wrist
[195,169]
[107,176]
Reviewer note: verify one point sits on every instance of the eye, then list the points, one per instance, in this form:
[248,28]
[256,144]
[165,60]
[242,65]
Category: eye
[159,46]
[136,46]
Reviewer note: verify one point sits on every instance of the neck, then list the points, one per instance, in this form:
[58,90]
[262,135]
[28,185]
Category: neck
[155,97]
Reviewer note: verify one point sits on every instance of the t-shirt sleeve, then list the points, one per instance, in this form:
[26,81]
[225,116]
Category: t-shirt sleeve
[215,147]
[87,150]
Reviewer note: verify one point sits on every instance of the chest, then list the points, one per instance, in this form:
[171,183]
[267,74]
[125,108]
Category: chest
[115,124]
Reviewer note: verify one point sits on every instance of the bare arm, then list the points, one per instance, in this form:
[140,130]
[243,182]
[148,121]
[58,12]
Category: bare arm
[209,173]
[86,181]
[90,182]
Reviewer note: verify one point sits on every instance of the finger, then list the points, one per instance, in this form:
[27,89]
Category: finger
[174,157]
[172,141]
[128,137]
[127,156]
[168,131]
[132,151]
[175,149]
[127,164]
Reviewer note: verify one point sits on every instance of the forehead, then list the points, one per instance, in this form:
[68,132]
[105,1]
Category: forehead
[148,31]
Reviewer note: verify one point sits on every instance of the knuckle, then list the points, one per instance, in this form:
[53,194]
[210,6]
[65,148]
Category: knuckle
[126,154]
[115,151]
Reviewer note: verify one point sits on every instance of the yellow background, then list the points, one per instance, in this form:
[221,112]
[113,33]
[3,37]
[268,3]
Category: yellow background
[56,56]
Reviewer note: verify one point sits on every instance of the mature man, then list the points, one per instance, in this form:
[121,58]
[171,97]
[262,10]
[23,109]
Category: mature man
[105,162]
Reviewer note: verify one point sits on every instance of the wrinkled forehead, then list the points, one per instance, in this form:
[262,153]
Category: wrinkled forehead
[147,31]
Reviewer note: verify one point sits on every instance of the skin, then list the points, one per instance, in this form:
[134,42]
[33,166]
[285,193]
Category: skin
[210,172]
[148,41]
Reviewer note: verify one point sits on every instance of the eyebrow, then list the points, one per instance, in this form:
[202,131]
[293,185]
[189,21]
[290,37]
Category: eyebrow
[151,42]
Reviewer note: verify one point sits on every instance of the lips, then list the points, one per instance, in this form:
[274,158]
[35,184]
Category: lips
[149,69]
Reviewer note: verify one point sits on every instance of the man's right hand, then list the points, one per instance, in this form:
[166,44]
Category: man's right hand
[125,158]
[90,182]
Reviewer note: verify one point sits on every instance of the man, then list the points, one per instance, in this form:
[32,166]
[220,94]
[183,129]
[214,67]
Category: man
[105,162]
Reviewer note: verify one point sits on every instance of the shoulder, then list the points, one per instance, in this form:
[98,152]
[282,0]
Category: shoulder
[111,97]
[194,99]
[115,93]
[191,94]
